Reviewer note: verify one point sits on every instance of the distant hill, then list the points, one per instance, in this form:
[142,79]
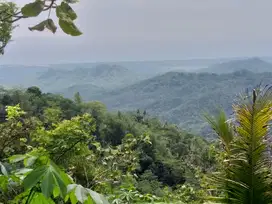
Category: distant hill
[251,64]
[182,97]
[20,75]
[103,76]
[86,90]
[177,97]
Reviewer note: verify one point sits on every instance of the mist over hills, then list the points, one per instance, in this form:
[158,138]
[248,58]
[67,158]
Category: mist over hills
[254,64]
[102,76]
[176,91]
[181,98]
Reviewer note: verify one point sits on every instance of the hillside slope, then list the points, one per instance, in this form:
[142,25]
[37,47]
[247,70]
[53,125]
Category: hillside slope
[181,98]
[103,76]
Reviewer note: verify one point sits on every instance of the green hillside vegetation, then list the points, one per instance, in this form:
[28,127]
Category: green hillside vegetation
[130,157]
[57,150]
[176,97]
[181,98]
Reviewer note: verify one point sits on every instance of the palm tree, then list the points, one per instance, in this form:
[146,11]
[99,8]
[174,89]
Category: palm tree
[245,176]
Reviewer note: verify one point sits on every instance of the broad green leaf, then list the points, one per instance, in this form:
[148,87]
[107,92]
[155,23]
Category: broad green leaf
[78,191]
[56,192]
[38,27]
[64,11]
[3,169]
[33,9]
[97,198]
[69,27]
[29,161]
[39,198]
[47,184]
[50,25]
[58,179]
[71,187]
[81,194]
[4,183]
[22,171]
[66,178]
[17,158]
[73,198]
[34,177]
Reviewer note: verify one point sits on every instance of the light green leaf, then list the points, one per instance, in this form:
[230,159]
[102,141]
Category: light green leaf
[71,187]
[3,169]
[97,198]
[89,200]
[81,194]
[69,27]
[56,191]
[50,25]
[47,184]
[17,158]
[30,161]
[4,183]
[39,198]
[66,178]
[22,171]
[58,179]
[73,198]
[38,27]
[34,177]
[33,9]
[64,11]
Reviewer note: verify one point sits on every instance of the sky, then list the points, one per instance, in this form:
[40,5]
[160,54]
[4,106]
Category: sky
[124,30]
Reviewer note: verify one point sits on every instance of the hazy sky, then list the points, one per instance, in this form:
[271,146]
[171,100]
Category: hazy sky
[150,29]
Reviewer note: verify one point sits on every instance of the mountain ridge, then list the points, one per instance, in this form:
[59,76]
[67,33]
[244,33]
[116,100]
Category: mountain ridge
[253,64]
[182,97]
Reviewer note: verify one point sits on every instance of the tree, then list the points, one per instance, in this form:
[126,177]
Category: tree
[10,14]
[34,90]
[77,98]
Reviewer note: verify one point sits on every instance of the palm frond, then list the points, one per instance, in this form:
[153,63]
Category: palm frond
[221,126]
[247,177]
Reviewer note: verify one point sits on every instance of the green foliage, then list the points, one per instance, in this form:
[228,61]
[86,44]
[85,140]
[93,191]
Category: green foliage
[245,176]
[7,9]
[14,112]
[128,157]
[33,9]
[65,11]
[48,23]
[9,14]
[44,183]
[66,17]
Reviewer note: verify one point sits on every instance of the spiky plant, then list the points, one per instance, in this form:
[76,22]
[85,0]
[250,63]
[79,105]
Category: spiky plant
[246,174]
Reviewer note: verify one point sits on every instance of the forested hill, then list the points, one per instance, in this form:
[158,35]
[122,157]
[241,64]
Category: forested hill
[181,98]
[113,153]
